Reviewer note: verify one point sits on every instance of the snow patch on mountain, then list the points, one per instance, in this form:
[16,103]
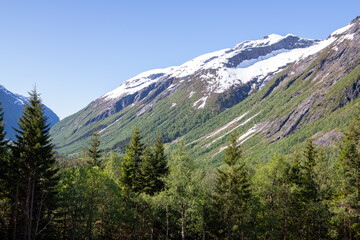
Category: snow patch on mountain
[265,41]
[272,63]
[203,102]
[341,30]
[227,133]
[191,94]
[137,83]
[216,70]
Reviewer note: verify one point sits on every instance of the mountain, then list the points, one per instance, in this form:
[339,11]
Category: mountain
[12,107]
[271,91]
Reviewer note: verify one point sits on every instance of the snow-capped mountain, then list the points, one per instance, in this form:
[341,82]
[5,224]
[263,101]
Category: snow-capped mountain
[179,100]
[247,61]
[247,66]
[13,104]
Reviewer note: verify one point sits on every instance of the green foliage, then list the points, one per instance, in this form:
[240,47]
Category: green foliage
[180,187]
[131,164]
[4,157]
[31,174]
[154,168]
[232,194]
[3,141]
[90,204]
[347,194]
[94,153]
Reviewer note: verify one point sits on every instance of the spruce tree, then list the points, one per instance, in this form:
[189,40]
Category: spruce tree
[148,176]
[308,166]
[131,178]
[3,148]
[154,168]
[309,215]
[34,156]
[3,141]
[347,195]
[94,153]
[3,174]
[232,194]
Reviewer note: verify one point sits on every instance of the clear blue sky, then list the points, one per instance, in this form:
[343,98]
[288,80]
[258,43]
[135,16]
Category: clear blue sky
[77,50]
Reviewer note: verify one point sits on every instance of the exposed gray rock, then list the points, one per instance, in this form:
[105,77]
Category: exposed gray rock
[327,139]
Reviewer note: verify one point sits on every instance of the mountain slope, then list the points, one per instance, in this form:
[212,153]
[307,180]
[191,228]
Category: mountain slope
[314,97]
[12,107]
[203,99]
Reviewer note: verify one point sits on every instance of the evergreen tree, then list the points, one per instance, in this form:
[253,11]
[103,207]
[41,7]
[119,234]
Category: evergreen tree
[3,174]
[33,156]
[347,195]
[161,164]
[148,174]
[94,153]
[309,214]
[3,141]
[154,168]
[307,168]
[131,177]
[3,148]
[232,194]
[272,189]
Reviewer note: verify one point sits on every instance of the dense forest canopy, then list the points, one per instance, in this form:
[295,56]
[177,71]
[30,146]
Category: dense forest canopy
[150,194]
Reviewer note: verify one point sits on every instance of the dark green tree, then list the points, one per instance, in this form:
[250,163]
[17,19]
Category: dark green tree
[273,191]
[33,156]
[131,177]
[3,147]
[154,168]
[94,152]
[232,194]
[161,164]
[148,175]
[347,195]
[309,214]
[3,174]
[3,141]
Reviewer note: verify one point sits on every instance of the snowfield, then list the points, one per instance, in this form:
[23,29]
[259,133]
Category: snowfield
[224,77]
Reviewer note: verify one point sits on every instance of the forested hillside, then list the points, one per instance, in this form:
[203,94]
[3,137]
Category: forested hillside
[148,194]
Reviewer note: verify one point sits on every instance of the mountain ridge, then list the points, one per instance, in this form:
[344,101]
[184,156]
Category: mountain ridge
[177,104]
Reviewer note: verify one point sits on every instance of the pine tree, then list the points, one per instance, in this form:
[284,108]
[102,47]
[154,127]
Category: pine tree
[131,165]
[148,175]
[309,215]
[272,189]
[308,166]
[232,194]
[154,168]
[347,195]
[94,153]
[3,174]
[3,141]
[3,147]
[34,156]
[161,164]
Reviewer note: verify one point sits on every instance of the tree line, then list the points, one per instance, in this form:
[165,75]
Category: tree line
[147,194]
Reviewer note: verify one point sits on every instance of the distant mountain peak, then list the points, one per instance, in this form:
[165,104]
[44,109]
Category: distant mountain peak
[227,67]
[178,100]
[13,104]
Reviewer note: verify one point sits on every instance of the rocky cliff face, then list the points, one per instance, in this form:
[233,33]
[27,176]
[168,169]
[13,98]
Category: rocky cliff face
[325,69]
